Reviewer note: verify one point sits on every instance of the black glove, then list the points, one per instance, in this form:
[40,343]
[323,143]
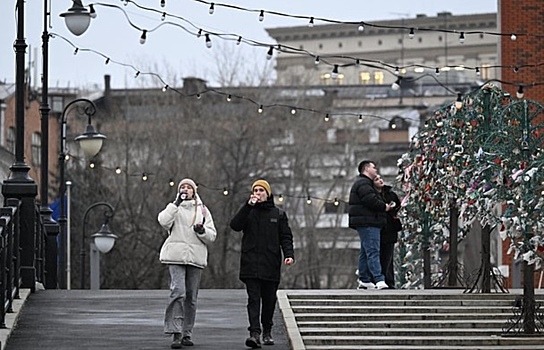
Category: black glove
[180,198]
[199,228]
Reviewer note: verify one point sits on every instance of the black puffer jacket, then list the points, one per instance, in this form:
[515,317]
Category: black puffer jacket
[390,231]
[266,234]
[366,205]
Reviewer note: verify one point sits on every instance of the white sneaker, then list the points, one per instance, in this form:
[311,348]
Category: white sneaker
[381,285]
[365,285]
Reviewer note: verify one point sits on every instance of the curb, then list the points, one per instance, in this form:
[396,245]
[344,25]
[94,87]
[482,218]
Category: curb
[293,334]
[12,317]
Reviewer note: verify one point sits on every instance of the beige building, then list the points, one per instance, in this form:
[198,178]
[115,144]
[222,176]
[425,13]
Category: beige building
[416,46]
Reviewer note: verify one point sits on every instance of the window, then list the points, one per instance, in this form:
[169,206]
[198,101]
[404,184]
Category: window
[36,149]
[10,142]
[378,77]
[364,77]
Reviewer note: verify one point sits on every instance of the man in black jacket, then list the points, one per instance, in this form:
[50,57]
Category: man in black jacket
[266,234]
[367,214]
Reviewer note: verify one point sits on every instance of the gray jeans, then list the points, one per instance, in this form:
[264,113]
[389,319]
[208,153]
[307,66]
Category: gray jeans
[181,310]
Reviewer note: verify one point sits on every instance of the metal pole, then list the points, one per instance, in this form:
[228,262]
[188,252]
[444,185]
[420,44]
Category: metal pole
[51,227]
[94,263]
[19,185]
[108,214]
[68,237]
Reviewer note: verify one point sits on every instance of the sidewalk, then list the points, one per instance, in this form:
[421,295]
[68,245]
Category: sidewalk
[130,319]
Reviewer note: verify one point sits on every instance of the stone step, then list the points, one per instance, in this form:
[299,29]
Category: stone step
[427,347]
[400,302]
[399,332]
[384,310]
[363,340]
[398,294]
[446,317]
[470,323]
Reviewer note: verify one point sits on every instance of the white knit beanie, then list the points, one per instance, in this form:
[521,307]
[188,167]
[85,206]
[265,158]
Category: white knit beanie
[189,182]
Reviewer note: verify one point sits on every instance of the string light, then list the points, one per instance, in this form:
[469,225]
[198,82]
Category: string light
[91,165]
[229,98]
[163,3]
[143,37]
[270,52]
[308,200]
[361,27]
[280,197]
[519,93]
[336,202]
[75,51]
[360,118]
[137,74]
[459,101]
[311,23]
[260,110]
[334,73]
[327,117]
[171,182]
[411,34]
[316,60]
[208,41]
[199,34]
[92,12]
[239,41]
[225,191]
[163,17]
[198,96]
[437,71]
[164,88]
[462,37]
[210,11]
[144,177]
[293,111]
[107,60]
[261,16]
[477,71]
[396,85]
[118,170]
[513,37]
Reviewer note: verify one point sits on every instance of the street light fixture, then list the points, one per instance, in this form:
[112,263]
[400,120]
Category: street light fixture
[91,143]
[77,18]
[103,239]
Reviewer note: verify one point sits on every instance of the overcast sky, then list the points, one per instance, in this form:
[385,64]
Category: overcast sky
[170,51]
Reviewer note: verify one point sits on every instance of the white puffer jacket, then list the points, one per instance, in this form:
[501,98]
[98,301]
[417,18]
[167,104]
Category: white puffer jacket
[184,246]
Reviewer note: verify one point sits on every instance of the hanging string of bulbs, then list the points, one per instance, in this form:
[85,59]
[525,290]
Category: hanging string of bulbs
[390,68]
[145,177]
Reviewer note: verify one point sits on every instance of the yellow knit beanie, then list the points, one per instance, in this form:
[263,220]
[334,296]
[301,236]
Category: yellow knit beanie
[264,184]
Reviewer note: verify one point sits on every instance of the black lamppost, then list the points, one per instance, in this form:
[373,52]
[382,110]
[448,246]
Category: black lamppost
[90,142]
[19,185]
[103,239]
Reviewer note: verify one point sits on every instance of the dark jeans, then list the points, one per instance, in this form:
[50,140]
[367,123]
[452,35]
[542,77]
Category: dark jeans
[386,260]
[260,293]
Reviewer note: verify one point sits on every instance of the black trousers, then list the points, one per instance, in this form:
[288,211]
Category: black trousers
[261,302]
[386,260]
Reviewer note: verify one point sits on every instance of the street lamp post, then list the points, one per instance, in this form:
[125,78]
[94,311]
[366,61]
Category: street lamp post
[103,240]
[19,185]
[91,143]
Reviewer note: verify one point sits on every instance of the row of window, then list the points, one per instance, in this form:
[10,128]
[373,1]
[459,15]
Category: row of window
[380,42]
[36,145]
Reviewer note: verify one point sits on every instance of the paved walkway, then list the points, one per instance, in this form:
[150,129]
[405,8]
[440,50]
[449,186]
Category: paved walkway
[130,319]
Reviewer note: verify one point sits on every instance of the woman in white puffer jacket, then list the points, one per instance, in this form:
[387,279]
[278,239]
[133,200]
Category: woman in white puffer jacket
[185,251]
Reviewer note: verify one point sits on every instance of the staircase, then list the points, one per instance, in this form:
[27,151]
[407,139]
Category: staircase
[404,319]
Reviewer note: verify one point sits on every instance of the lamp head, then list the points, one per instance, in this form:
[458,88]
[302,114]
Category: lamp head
[90,141]
[77,18]
[104,239]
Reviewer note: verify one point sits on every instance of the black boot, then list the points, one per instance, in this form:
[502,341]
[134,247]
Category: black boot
[254,340]
[267,338]
[176,342]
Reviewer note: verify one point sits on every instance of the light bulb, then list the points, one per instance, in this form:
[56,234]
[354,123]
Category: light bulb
[462,38]
[210,11]
[208,41]
[260,110]
[459,101]
[229,98]
[327,117]
[261,16]
[361,27]
[437,71]
[411,34]
[143,37]
[360,118]
[513,37]
[92,12]
[311,24]
[519,93]
[163,3]
[334,73]
[316,60]
[270,53]
[239,41]
[144,177]
[225,191]
[164,88]
[163,17]
[308,200]
[293,111]
[118,170]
